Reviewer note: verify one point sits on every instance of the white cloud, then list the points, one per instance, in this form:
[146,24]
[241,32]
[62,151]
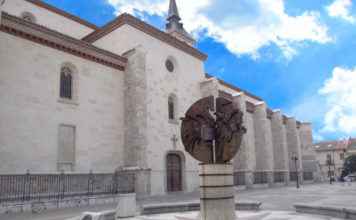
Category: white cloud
[243,26]
[340,93]
[341,9]
[151,7]
[317,137]
[310,108]
[332,109]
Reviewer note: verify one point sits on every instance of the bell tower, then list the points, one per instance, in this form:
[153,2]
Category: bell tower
[174,27]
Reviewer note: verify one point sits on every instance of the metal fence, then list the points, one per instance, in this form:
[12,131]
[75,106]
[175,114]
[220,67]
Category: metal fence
[30,187]
[278,177]
[260,178]
[239,178]
[293,176]
[308,176]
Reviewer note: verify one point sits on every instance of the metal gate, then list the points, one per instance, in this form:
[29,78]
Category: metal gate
[174,173]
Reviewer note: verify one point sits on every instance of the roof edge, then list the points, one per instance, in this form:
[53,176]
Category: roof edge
[63,13]
[237,89]
[250,108]
[146,28]
[39,34]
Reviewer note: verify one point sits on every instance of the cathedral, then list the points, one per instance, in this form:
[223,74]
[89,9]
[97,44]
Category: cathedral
[76,98]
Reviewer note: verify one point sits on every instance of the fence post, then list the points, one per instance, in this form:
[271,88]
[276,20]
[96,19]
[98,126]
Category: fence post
[115,187]
[27,183]
[61,180]
[90,181]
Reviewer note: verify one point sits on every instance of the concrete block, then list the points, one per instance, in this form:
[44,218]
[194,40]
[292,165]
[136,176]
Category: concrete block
[126,206]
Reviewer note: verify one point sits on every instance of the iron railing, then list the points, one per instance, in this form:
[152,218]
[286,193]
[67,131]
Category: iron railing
[30,187]
[278,177]
[293,176]
[308,176]
[260,178]
[239,179]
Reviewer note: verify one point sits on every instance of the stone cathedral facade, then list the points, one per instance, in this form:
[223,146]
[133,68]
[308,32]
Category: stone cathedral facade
[76,97]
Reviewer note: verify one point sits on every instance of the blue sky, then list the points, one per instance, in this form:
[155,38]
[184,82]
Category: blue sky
[298,55]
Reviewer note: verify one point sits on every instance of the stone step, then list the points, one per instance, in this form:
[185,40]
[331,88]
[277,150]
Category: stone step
[165,208]
[191,206]
[338,212]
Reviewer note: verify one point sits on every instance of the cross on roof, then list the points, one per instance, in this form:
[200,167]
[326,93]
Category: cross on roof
[174,140]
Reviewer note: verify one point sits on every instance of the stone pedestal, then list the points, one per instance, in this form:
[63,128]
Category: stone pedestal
[270,179]
[286,178]
[126,206]
[249,179]
[217,193]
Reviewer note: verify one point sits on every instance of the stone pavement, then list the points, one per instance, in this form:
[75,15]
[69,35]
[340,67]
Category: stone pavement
[278,199]
[262,215]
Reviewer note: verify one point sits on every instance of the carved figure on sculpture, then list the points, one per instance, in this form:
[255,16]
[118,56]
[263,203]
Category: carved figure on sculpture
[212,137]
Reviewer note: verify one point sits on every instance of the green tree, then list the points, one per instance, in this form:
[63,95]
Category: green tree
[349,166]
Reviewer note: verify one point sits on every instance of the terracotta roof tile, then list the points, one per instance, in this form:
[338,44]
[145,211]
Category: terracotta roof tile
[146,28]
[53,9]
[330,145]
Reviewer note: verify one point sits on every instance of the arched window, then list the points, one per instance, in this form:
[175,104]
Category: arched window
[28,17]
[171,108]
[66,83]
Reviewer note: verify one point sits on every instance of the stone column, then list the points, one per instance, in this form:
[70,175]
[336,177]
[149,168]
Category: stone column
[210,87]
[135,106]
[280,148]
[263,142]
[217,193]
[306,138]
[294,146]
[245,160]
[309,161]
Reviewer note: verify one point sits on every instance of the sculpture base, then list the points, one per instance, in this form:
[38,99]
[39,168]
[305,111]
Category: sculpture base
[126,206]
[217,193]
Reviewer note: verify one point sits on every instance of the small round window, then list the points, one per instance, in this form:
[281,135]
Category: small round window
[169,66]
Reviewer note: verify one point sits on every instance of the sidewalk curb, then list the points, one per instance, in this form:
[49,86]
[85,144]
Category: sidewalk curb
[338,212]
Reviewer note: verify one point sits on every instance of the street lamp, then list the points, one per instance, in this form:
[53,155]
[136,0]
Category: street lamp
[329,163]
[295,159]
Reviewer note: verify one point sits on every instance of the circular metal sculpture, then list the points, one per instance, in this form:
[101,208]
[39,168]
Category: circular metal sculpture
[212,136]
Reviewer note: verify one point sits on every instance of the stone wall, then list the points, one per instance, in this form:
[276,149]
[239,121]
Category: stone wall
[269,143]
[183,83]
[31,110]
[280,148]
[37,207]
[263,142]
[245,161]
[294,146]
[47,18]
[136,110]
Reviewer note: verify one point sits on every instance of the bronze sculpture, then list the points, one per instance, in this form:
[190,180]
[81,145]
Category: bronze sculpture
[212,137]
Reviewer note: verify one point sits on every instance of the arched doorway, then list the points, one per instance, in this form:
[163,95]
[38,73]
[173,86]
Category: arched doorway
[174,173]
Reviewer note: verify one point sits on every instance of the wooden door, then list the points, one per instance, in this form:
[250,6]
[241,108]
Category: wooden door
[174,173]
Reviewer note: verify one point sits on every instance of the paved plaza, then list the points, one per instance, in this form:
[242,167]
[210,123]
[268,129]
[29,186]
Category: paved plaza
[275,202]
[262,215]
